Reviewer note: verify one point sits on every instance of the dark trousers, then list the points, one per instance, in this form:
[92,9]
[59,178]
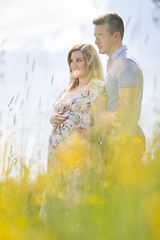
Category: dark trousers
[123,148]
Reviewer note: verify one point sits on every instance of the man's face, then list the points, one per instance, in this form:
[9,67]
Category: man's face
[103,39]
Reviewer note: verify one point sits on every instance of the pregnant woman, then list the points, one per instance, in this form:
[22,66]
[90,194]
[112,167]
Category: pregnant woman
[72,107]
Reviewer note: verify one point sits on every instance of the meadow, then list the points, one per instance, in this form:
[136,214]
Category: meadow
[86,197]
[94,199]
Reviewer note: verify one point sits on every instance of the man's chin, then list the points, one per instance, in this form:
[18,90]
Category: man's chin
[101,51]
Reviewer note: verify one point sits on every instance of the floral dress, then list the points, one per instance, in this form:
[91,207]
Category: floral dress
[77,110]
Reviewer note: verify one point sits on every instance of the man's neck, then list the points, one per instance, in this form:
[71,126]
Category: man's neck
[114,49]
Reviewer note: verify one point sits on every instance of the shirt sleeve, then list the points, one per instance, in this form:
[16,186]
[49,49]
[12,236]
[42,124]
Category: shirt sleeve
[128,75]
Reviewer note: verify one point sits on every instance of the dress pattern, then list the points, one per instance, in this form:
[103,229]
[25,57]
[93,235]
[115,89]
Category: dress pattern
[77,111]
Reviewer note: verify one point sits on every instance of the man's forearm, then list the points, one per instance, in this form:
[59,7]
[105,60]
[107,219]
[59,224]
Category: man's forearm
[117,117]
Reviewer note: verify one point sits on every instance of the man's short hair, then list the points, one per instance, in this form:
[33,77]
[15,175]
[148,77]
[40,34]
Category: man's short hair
[112,21]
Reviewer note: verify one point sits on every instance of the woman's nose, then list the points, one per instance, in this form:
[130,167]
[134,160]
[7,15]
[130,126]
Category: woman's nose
[74,64]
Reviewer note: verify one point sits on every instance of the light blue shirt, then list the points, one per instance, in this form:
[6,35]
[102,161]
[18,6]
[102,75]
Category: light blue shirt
[123,71]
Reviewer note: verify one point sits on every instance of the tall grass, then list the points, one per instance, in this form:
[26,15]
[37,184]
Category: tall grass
[97,201]
[83,196]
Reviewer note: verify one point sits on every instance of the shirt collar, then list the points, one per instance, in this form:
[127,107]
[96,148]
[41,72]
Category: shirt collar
[118,51]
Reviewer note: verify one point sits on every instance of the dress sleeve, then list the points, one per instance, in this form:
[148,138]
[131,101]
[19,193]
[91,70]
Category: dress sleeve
[97,87]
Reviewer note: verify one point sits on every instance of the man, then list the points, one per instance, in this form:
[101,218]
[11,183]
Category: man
[124,88]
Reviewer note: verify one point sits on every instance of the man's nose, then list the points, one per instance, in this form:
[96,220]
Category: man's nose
[96,40]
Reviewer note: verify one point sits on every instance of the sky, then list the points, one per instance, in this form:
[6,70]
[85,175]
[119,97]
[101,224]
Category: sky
[35,37]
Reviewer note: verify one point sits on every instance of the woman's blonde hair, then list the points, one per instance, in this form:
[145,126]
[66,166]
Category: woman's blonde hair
[92,61]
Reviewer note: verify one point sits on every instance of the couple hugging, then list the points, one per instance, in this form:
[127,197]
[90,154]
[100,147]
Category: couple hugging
[111,107]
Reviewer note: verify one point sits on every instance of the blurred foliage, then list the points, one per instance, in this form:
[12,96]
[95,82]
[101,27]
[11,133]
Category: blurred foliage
[85,197]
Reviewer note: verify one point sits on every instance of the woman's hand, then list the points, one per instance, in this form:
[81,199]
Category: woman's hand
[57,118]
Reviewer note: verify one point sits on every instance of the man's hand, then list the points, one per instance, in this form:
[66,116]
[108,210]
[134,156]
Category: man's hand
[125,110]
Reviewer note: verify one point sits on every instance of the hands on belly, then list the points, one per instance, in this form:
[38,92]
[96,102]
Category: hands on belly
[57,118]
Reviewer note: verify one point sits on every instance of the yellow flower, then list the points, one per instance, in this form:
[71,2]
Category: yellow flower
[21,223]
[6,233]
[74,153]
[88,187]
[95,200]
[105,184]
[61,195]
[137,140]
[151,209]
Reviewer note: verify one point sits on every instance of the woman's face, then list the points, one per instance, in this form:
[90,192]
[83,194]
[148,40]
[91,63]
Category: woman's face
[77,64]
